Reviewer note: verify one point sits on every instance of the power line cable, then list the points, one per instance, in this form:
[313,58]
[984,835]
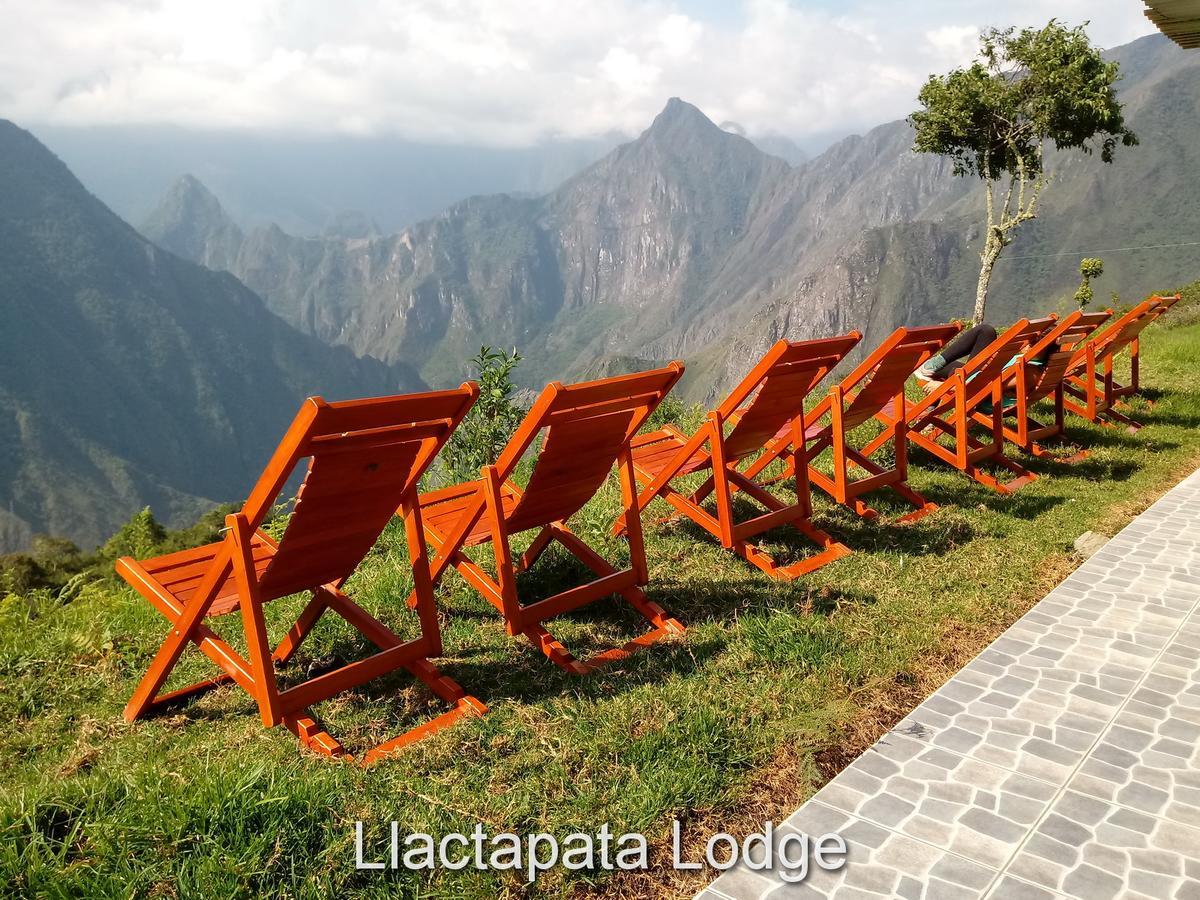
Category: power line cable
[1097,252]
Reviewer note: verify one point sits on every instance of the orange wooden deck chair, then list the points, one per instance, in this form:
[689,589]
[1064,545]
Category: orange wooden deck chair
[1039,374]
[771,396]
[588,427]
[364,460]
[1091,389]
[1135,347]
[950,408]
[877,384]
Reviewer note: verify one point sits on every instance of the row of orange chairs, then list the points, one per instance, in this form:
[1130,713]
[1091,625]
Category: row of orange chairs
[366,457]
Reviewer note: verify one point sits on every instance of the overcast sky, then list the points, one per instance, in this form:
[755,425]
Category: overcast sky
[506,72]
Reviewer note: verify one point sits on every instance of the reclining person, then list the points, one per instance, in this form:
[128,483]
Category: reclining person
[962,347]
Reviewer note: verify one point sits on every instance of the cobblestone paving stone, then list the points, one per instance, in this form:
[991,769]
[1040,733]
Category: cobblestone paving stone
[1063,761]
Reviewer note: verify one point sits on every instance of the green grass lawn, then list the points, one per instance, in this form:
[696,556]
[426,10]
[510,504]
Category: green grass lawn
[773,687]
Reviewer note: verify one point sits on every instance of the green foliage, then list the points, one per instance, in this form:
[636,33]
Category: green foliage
[1028,87]
[1089,268]
[1187,311]
[477,442]
[56,565]
[670,412]
[139,537]
[56,555]
[20,574]
[143,536]
[994,119]
[206,530]
[50,564]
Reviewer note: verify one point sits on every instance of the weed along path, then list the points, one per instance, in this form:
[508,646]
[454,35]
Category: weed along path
[1064,760]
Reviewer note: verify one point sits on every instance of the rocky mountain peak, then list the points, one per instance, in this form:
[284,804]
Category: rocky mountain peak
[189,200]
[190,222]
[681,114]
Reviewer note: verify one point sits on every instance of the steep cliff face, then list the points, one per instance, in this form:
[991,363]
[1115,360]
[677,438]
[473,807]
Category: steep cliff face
[678,242]
[907,274]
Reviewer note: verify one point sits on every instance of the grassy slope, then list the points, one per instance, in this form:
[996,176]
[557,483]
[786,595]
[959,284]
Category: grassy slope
[772,688]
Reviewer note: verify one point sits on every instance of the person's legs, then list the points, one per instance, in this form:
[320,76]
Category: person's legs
[968,342]
[954,355]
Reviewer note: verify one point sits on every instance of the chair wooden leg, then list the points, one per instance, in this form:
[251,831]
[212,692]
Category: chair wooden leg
[313,735]
[664,624]
[182,630]
[923,507]
[1041,451]
[831,549]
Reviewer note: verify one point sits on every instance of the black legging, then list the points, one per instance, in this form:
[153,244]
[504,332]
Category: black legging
[962,347]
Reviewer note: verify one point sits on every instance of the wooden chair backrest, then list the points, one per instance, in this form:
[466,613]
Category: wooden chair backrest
[1165,303]
[1119,334]
[364,457]
[586,427]
[774,391]
[882,375]
[1055,351]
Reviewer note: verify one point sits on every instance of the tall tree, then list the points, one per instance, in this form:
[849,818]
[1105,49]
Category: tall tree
[1027,89]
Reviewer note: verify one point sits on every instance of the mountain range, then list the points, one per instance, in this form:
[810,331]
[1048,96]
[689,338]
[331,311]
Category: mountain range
[159,370]
[306,183]
[691,242]
[129,376]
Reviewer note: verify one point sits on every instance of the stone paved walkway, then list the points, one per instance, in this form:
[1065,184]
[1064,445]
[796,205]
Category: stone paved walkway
[1064,760]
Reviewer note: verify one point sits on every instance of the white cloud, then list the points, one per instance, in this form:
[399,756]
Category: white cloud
[490,71]
[954,41]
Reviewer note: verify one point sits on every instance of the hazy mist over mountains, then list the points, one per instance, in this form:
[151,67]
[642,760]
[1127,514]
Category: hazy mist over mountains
[305,184]
[301,182]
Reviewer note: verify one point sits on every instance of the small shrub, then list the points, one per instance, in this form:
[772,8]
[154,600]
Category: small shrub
[60,559]
[482,435]
[140,537]
[1090,268]
[670,412]
[20,574]
[206,530]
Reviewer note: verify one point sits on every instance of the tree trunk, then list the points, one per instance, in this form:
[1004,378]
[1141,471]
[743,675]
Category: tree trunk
[991,251]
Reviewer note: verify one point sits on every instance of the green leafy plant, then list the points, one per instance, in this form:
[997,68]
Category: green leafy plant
[1027,89]
[139,537]
[477,442]
[1089,268]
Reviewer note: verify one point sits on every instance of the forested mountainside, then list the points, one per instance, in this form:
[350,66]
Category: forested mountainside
[131,377]
[690,241]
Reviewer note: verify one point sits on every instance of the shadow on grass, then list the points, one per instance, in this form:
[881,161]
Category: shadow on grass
[1089,468]
[1084,438]
[936,534]
[1156,415]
